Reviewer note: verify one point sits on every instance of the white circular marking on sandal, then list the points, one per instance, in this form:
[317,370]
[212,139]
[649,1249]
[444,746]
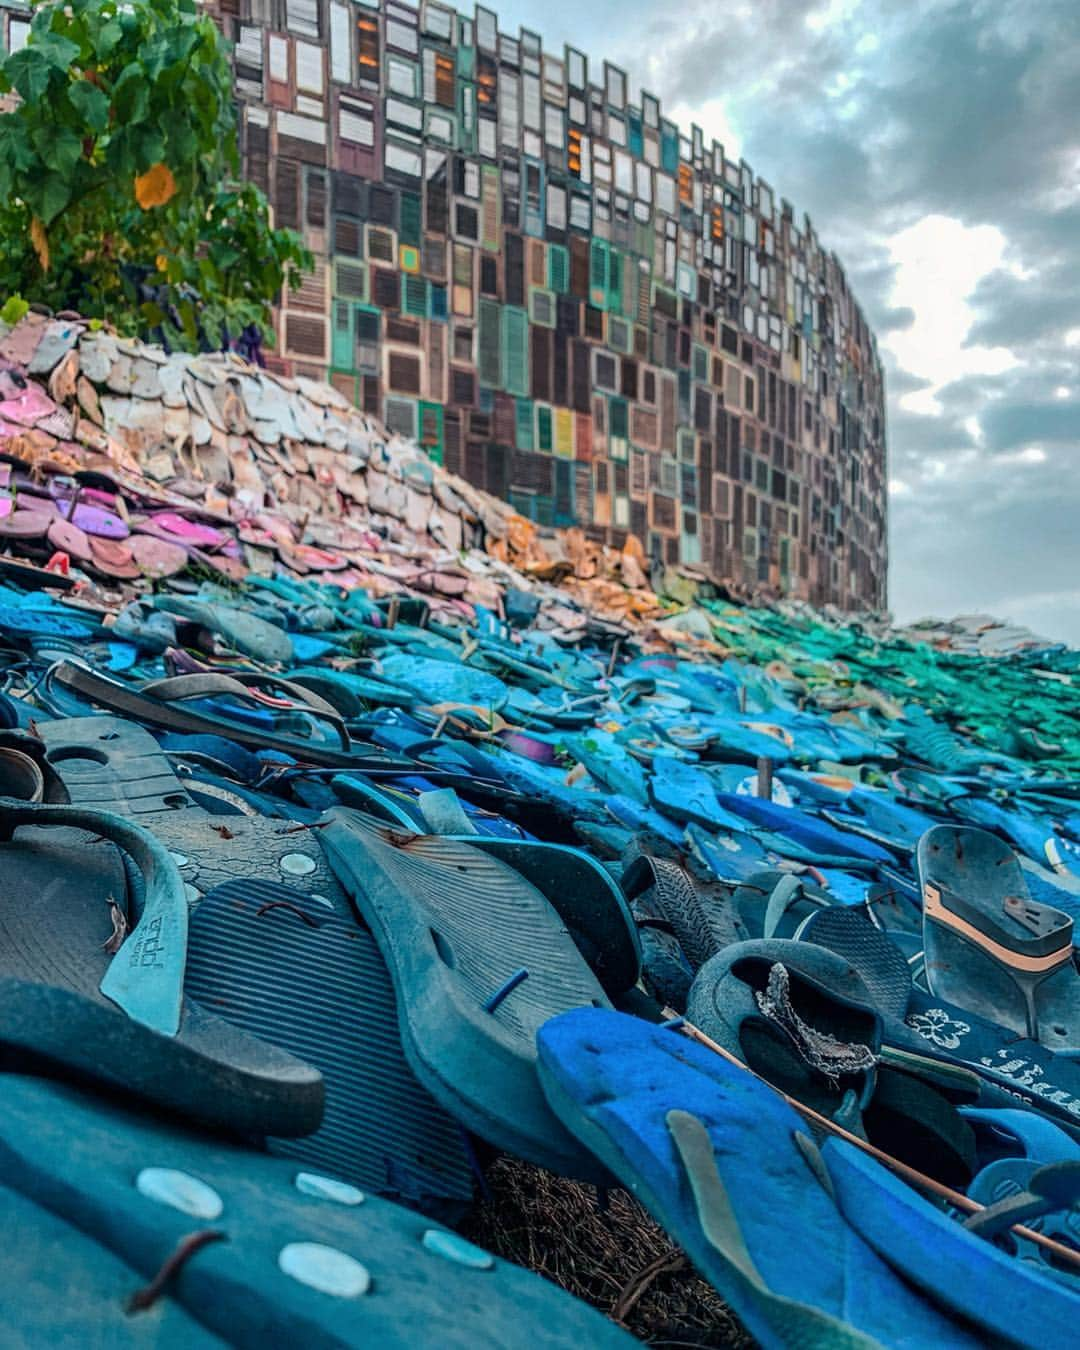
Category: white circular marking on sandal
[192,894]
[327,1188]
[453,1248]
[179,859]
[321,900]
[297,864]
[325,1269]
[179,1190]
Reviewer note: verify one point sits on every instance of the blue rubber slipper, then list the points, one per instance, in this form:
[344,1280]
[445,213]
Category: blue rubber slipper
[586,897]
[479,960]
[716,1156]
[427,682]
[800,1016]
[1015,1190]
[918,1022]
[170,714]
[878,817]
[801,828]
[1006,1300]
[299,1258]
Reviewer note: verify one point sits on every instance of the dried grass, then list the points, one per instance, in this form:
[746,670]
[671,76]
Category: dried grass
[605,1250]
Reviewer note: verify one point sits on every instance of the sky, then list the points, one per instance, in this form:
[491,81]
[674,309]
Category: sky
[935,144]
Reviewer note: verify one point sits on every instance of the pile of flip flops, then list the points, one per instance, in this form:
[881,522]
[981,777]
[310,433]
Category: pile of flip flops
[326,888]
[131,464]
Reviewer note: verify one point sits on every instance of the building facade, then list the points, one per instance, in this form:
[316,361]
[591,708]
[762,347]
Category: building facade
[563,296]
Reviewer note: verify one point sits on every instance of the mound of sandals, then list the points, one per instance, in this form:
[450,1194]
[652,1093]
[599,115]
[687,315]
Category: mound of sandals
[322,891]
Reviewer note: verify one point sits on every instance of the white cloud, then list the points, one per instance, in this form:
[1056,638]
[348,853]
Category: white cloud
[939,262]
[1031,454]
[832,15]
[714,119]
[898,488]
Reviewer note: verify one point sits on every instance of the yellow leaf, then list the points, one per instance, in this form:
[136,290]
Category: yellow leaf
[155,186]
[40,241]
[161,262]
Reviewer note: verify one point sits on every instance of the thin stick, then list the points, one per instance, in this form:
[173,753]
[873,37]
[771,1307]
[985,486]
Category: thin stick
[909,1174]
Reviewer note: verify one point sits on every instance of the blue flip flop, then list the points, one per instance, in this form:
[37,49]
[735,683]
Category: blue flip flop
[266,1253]
[716,1157]
[1008,1301]
[480,960]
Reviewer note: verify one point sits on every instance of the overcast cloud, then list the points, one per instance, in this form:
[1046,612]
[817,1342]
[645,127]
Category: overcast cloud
[935,144]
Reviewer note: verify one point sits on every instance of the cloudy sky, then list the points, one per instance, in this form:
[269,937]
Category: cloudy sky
[936,146]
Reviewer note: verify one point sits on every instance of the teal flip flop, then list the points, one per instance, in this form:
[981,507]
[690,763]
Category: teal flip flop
[479,960]
[296,1257]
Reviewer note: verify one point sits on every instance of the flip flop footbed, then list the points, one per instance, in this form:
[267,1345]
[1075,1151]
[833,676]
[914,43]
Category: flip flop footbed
[288,969]
[480,960]
[305,1259]
[113,764]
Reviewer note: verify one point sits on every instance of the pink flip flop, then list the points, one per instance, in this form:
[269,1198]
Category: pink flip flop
[25,524]
[63,535]
[157,557]
[314,559]
[175,527]
[28,407]
[113,559]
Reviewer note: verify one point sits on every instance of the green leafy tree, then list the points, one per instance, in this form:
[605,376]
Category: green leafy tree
[119,191]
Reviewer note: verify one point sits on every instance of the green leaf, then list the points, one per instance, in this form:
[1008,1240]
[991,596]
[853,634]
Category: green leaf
[54,196]
[111,33]
[15,308]
[131,95]
[29,71]
[91,103]
[60,148]
[150,146]
[152,313]
[57,51]
[188,319]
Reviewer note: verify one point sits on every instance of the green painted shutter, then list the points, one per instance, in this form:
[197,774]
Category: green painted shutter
[414,297]
[543,427]
[342,353]
[515,350]
[615,280]
[409,230]
[431,430]
[489,343]
[524,424]
[617,418]
[558,268]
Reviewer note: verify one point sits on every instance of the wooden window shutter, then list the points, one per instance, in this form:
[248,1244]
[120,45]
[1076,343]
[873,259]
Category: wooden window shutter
[490,214]
[316,198]
[489,343]
[287,194]
[404,373]
[305,336]
[436,353]
[515,351]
